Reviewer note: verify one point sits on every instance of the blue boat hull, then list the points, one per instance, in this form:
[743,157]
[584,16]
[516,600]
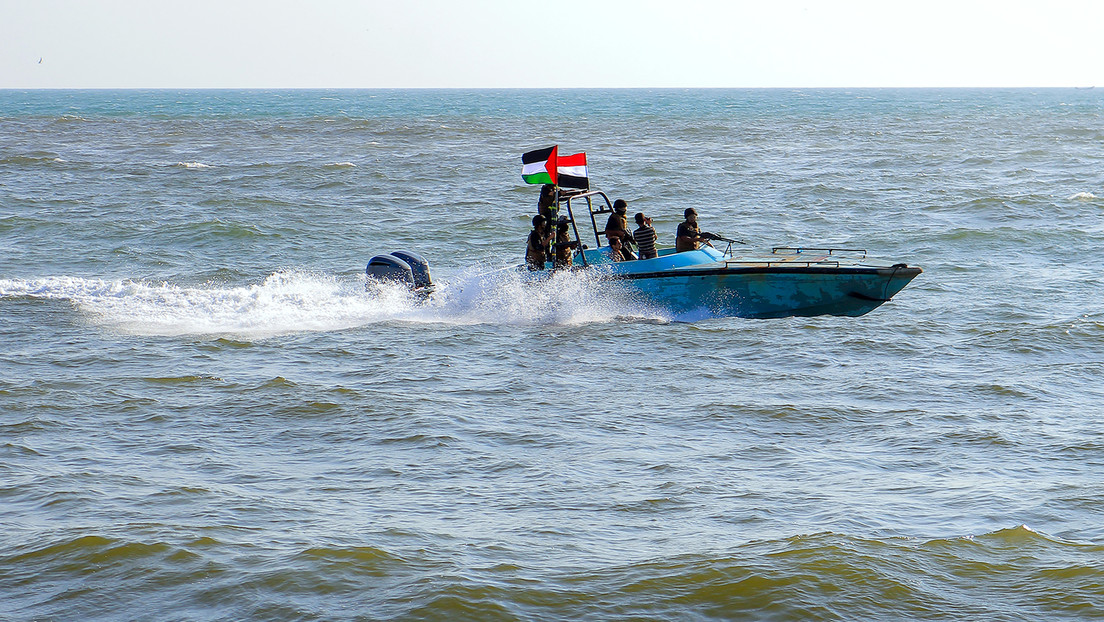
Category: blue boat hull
[770,293]
[706,283]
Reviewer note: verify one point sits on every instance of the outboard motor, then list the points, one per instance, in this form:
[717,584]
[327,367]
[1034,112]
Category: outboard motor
[418,266]
[390,268]
[410,269]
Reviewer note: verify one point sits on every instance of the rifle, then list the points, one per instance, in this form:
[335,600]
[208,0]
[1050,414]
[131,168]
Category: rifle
[713,237]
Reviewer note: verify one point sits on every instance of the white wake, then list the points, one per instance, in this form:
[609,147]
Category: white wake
[297,301]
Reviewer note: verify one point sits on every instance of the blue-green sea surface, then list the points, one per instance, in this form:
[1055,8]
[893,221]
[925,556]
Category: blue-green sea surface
[204,415]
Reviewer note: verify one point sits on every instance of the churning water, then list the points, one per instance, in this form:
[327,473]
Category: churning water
[205,415]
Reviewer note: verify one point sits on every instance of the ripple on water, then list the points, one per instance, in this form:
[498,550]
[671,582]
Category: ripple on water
[205,415]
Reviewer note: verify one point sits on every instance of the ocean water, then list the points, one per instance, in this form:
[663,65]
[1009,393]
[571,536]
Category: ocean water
[205,416]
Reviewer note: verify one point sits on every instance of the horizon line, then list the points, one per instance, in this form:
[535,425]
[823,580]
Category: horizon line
[519,88]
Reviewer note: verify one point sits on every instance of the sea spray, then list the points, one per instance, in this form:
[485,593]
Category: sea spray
[510,296]
[297,301]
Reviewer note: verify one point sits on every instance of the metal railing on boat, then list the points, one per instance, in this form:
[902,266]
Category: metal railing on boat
[791,251]
[797,250]
[783,262]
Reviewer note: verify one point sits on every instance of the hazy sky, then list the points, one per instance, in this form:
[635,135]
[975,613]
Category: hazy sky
[563,43]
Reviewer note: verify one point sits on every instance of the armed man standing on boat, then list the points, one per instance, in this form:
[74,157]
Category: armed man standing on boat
[617,227]
[688,235]
[536,249]
[564,244]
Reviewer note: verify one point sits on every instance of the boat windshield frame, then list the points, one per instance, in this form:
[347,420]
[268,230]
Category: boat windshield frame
[590,196]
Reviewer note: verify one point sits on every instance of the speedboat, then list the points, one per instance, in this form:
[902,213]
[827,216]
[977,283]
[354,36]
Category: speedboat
[706,282]
[787,281]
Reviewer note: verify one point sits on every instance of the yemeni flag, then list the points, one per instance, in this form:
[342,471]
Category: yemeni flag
[539,167]
[571,171]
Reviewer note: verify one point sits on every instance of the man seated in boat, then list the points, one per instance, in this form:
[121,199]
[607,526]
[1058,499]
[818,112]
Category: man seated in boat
[564,245]
[536,251]
[688,236]
[616,252]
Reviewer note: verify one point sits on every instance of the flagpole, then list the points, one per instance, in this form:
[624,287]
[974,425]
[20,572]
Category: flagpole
[554,226]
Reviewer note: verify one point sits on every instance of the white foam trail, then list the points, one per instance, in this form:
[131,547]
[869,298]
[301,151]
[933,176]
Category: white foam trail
[294,301]
[1083,196]
[508,296]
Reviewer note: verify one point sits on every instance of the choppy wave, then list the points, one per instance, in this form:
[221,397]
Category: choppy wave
[297,301]
[480,454]
[31,159]
[1012,573]
[200,230]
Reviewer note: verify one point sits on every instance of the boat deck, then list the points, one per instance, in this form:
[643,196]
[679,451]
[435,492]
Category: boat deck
[708,258]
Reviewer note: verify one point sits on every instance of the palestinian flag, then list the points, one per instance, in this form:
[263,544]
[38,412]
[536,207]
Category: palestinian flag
[539,167]
[571,171]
